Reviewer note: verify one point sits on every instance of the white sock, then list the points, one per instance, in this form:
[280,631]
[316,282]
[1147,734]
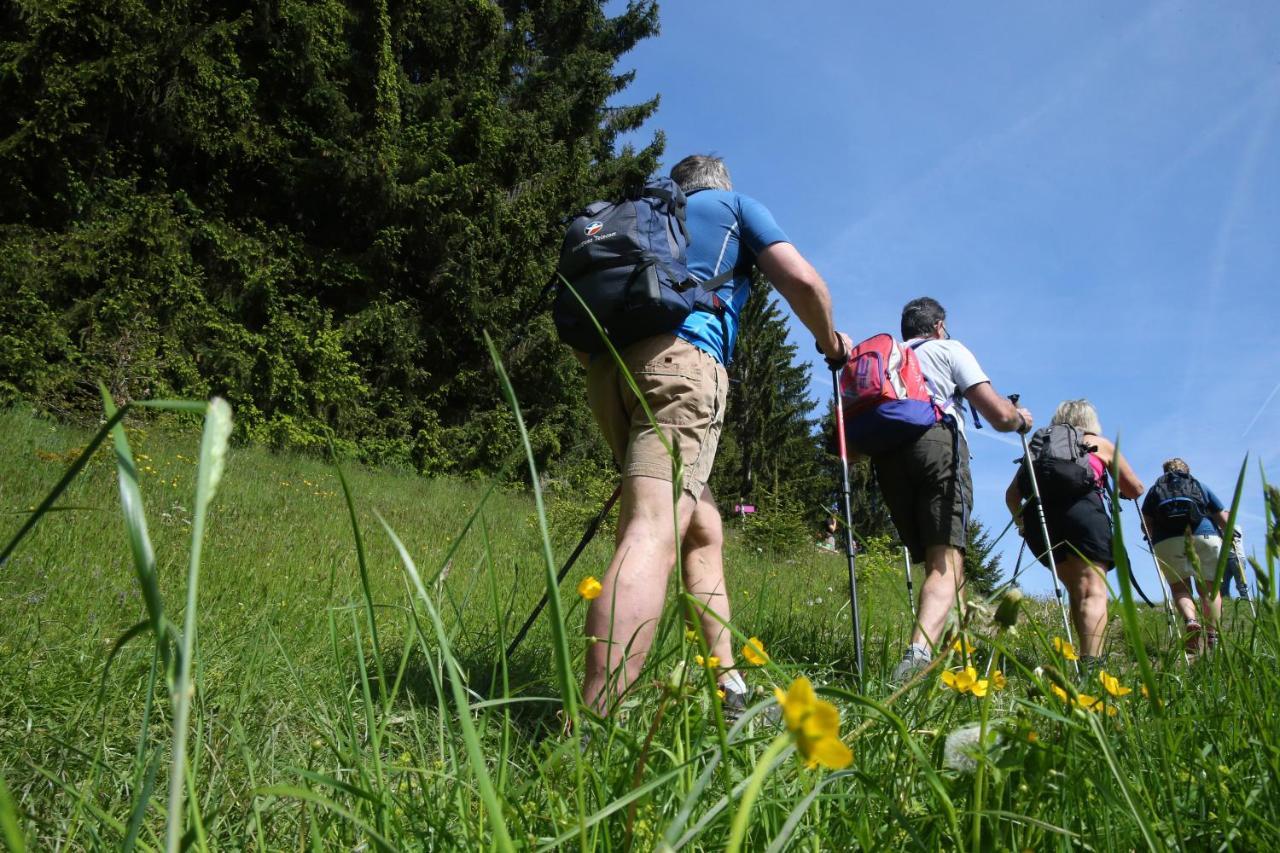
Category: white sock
[733,681]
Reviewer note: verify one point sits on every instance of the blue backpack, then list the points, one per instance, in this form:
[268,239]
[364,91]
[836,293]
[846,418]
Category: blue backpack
[624,263]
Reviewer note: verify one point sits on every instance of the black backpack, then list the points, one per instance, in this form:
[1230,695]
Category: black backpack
[626,259]
[1060,458]
[1176,502]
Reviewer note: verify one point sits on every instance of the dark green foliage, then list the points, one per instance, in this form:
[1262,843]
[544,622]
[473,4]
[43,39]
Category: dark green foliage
[312,208]
[981,569]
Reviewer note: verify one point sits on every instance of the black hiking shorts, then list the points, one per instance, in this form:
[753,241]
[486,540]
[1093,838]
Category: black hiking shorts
[1081,528]
[928,489]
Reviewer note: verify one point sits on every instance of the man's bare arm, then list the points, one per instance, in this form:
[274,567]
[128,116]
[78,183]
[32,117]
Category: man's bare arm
[998,411]
[806,293]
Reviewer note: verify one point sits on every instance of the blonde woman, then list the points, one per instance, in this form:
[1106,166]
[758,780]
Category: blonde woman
[1080,526]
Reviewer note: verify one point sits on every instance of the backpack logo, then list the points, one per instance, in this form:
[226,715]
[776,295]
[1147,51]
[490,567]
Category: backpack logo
[594,228]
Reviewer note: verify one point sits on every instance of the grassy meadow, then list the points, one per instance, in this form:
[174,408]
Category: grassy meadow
[350,695]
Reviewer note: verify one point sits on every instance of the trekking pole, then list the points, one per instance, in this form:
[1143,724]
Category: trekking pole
[906,566]
[587,536]
[1044,531]
[1164,588]
[848,520]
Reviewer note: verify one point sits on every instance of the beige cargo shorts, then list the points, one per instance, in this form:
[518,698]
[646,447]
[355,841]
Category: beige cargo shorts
[686,390]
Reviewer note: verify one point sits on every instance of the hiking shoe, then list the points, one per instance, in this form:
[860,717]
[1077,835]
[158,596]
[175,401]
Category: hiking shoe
[1192,641]
[1090,666]
[914,659]
[734,705]
[1210,639]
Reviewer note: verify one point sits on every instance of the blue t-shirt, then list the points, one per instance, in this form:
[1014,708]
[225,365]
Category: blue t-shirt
[726,231]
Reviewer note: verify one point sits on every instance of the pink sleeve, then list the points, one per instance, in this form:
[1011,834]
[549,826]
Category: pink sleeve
[1099,468]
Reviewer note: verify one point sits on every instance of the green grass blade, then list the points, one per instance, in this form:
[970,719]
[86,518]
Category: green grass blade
[362,562]
[135,519]
[564,665]
[45,506]
[213,452]
[9,830]
[141,802]
[1224,552]
[1128,609]
[471,739]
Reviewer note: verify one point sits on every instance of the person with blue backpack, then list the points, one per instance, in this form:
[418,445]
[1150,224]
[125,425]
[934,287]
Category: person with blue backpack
[662,275]
[923,467]
[1180,512]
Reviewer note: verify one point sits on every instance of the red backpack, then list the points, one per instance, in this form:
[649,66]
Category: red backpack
[884,396]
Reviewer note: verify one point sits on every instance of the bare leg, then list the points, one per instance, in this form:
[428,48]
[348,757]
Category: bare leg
[703,552]
[1210,604]
[1088,594]
[1181,591]
[625,615]
[944,573]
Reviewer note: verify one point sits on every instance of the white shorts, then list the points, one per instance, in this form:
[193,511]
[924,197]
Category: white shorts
[1172,556]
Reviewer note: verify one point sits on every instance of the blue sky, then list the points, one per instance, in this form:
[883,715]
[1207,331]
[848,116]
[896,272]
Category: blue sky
[1092,189]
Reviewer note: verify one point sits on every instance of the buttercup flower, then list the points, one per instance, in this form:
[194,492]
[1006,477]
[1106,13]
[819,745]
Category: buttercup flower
[754,652]
[1060,693]
[963,646]
[590,588]
[998,681]
[1067,650]
[1094,704]
[966,681]
[815,725]
[1112,684]
[709,662]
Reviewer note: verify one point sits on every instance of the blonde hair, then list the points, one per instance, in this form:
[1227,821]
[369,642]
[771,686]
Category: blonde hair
[1080,414]
[1176,466]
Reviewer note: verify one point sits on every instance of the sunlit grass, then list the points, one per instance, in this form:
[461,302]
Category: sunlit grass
[305,732]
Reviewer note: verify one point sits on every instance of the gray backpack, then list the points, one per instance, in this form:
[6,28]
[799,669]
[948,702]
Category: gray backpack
[1060,458]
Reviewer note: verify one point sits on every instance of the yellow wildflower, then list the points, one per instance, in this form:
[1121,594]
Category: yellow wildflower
[998,681]
[1112,684]
[1059,692]
[710,662]
[690,635]
[1067,650]
[815,725]
[965,681]
[1094,704]
[1146,694]
[963,646]
[754,652]
[590,588]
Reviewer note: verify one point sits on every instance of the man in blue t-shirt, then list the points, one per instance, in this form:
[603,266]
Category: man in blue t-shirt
[1177,504]
[683,380]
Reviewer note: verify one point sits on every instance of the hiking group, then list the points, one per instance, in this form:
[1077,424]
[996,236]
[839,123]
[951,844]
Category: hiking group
[663,276]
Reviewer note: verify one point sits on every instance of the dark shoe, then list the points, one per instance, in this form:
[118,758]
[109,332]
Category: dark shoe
[734,705]
[1210,639]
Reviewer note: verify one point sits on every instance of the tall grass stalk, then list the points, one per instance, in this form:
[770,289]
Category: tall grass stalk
[213,452]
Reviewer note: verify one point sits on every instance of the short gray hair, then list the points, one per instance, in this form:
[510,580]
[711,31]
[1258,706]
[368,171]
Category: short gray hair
[1176,466]
[701,172]
[1080,414]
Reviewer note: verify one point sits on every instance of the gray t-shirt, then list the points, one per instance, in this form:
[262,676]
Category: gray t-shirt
[950,370]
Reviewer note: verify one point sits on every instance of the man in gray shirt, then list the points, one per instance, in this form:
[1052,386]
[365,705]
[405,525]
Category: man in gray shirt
[926,483]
